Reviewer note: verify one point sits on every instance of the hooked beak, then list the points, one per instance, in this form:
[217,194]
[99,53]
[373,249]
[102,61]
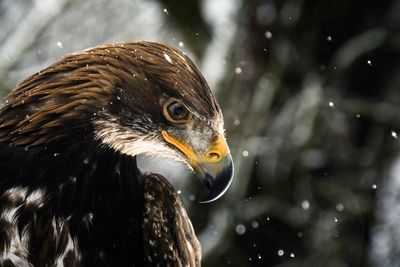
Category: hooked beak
[214,168]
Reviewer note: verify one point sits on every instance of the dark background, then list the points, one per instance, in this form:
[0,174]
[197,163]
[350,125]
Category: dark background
[310,94]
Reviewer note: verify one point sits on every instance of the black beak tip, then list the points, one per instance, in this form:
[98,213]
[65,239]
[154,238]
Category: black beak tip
[219,185]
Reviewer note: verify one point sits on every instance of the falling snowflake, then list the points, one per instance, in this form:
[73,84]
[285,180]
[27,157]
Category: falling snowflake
[339,207]
[167,58]
[240,229]
[300,234]
[254,224]
[305,205]
[268,34]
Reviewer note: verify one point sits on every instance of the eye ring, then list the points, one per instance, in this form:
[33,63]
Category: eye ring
[176,112]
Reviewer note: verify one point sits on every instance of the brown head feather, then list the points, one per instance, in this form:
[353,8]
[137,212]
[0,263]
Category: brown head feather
[77,88]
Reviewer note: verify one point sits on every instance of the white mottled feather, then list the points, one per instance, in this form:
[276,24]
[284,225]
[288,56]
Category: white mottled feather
[17,251]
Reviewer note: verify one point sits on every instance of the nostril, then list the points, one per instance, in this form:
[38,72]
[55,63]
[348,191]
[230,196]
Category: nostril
[213,156]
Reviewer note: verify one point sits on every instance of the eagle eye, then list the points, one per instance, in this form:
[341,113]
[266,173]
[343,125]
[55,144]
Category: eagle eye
[176,112]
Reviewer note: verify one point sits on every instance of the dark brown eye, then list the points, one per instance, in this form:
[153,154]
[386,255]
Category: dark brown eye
[176,112]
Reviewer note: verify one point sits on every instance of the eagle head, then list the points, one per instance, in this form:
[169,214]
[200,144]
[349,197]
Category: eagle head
[135,98]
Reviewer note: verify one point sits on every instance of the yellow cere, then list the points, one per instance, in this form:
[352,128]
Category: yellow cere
[214,154]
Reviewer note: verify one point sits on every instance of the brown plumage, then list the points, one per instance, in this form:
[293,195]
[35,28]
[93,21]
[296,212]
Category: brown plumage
[161,219]
[70,190]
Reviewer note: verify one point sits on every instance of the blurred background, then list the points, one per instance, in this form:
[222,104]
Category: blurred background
[310,94]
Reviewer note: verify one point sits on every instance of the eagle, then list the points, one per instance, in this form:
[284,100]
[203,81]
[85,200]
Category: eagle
[71,193]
